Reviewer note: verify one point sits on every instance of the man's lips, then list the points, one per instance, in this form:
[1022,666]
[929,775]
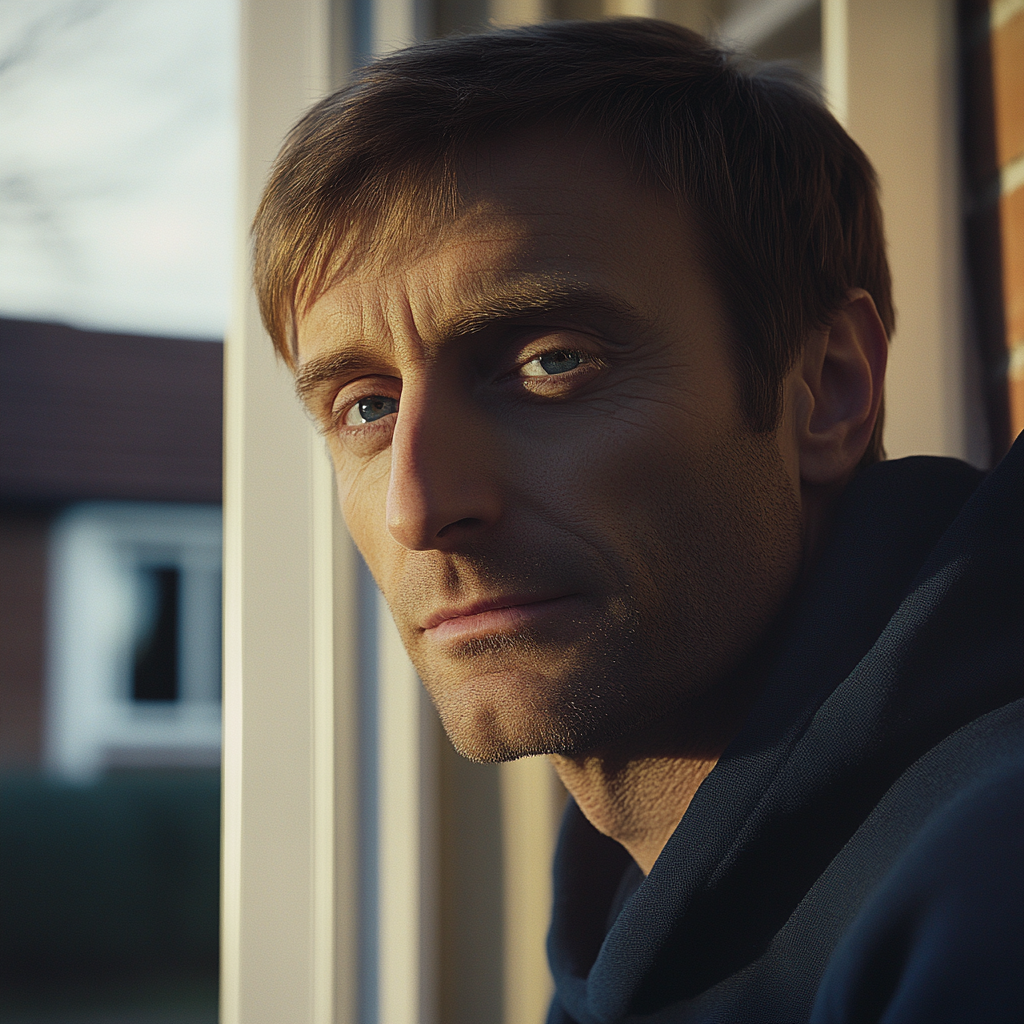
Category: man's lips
[498,615]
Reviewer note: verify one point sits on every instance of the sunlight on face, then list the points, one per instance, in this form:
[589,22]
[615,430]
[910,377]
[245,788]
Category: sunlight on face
[541,455]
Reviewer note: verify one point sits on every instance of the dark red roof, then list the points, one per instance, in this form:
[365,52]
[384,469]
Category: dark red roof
[88,414]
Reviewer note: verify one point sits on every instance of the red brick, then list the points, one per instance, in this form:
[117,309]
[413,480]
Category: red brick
[1011,229]
[1016,385]
[1008,87]
[23,553]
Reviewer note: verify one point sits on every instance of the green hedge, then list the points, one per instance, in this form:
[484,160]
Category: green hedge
[114,880]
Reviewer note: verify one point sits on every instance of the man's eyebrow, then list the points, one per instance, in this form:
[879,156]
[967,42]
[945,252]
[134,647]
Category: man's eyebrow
[326,368]
[530,299]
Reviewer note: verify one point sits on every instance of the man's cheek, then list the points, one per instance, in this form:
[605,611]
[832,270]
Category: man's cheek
[577,453]
[362,498]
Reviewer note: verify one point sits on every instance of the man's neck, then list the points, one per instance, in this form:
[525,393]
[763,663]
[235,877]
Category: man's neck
[638,802]
[637,790]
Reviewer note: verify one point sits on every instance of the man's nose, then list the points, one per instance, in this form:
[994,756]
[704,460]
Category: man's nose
[443,486]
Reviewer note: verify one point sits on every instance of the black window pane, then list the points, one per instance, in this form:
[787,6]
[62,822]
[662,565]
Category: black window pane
[155,673]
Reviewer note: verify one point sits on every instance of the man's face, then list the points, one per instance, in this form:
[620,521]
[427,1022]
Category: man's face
[539,448]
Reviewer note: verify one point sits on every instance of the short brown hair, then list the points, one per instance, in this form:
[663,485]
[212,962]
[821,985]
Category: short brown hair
[784,201]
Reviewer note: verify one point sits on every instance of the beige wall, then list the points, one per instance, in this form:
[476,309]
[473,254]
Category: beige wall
[890,70]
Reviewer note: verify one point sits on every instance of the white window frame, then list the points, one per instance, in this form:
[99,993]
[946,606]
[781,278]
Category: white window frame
[97,552]
[288,917]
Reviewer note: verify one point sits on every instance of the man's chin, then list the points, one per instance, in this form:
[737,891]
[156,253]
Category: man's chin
[495,746]
[506,716]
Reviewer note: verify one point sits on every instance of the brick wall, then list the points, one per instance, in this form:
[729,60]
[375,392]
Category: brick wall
[23,543]
[992,37]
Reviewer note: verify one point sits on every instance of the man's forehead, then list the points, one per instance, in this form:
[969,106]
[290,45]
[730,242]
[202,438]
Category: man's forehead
[498,191]
[490,259]
[547,225]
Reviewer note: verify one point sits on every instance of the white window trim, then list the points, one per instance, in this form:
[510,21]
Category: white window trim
[96,551]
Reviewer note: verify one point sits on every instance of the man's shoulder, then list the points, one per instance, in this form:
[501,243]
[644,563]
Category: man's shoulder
[941,937]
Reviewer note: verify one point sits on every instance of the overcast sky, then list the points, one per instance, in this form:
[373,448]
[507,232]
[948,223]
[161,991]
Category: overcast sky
[118,136]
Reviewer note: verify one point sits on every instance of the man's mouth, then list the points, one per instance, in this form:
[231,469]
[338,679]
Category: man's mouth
[495,615]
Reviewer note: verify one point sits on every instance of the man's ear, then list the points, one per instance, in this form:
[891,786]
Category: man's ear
[840,391]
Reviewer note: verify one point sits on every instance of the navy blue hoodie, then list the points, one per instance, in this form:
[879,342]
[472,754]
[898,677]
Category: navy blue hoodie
[857,854]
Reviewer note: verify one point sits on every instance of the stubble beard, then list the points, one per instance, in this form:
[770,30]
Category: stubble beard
[667,649]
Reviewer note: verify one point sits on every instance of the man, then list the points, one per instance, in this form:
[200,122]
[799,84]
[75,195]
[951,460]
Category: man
[594,320]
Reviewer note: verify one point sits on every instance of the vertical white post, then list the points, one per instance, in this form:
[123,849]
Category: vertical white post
[335,768]
[407,832]
[835,51]
[890,74]
[516,12]
[289,747]
[531,802]
[397,23]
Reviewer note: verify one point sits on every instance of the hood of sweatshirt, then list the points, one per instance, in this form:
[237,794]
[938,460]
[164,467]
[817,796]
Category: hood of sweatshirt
[908,627]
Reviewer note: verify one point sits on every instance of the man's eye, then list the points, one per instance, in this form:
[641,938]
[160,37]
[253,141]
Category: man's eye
[366,410]
[551,363]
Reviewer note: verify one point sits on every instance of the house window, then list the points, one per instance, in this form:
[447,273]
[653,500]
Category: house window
[134,666]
